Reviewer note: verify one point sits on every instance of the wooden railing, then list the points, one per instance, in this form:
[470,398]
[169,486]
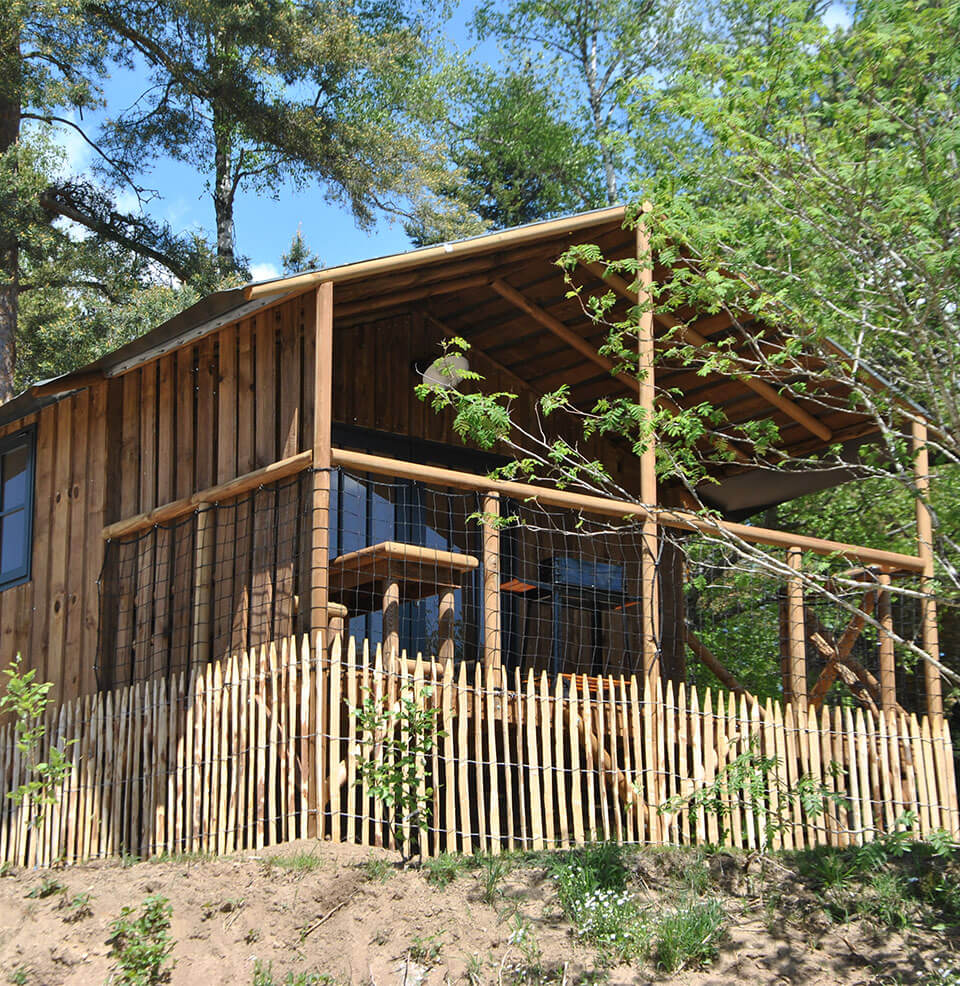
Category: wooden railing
[262,748]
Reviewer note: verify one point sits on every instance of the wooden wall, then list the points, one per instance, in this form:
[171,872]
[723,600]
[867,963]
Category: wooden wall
[52,619]
[236,400]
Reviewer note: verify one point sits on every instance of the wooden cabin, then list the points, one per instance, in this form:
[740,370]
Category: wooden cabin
[260,466]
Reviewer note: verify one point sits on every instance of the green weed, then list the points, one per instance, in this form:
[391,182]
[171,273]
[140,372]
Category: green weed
[377,870]
[688,936]
[142,945]
[296,862]
[442,870]
[263,976]
[46,888]
[20,976]
[493,871]
[425,950]
[77,907]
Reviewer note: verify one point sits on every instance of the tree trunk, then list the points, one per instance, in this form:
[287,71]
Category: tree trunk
[9,243]
[224,192]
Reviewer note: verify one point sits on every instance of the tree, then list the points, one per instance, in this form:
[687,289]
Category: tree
[588,50]
[515,157]
[263,92]
[808,179]
[52,57]
[299,257]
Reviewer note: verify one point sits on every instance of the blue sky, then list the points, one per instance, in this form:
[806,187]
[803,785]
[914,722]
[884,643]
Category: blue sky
[266,225]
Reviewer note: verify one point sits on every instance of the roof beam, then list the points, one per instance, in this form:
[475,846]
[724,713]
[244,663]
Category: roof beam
[761,387]
[577,341]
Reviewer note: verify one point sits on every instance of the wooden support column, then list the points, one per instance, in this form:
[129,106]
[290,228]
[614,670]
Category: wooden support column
[928,612]
[491,582]
[391,620]
[796,632]
[203,582]
[322,444]
[648,460]
[447,621]
[888,679]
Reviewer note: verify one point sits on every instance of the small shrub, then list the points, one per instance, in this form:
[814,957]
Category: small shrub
[77,907]
[20,976]
[142,945]
[529,970]
[887,900]
[493,871]
[615,924]
[377,870]
[46,888]
[442,870]
[688,936]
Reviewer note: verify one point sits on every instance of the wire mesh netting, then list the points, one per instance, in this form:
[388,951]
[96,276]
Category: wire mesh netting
[464,575]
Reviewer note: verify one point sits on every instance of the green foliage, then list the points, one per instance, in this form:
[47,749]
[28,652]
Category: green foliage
[515,157]
[27,700]
[442,870]
[493,871]
[19,976]
[263,976]
[688,936]
[47,887]
[591,884]
[404,735]
[296,862]
[752,777]
[141,945]
[425,949]
[377,870]
[77,907]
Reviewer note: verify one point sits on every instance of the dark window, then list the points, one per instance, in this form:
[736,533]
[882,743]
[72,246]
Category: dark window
[16,507]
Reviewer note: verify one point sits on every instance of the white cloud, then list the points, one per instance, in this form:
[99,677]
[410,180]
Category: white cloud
[264,272]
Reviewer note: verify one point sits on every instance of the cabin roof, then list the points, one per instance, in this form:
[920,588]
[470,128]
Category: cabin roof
[504,294]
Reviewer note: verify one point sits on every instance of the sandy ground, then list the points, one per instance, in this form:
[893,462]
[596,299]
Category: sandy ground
[230,912]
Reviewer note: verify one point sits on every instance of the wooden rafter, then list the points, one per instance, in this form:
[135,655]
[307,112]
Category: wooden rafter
[574,339]
[761,387]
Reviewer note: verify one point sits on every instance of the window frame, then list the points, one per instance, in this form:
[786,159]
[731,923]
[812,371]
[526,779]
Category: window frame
[28,437]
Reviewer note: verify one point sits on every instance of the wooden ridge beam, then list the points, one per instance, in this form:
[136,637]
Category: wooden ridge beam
[761,387]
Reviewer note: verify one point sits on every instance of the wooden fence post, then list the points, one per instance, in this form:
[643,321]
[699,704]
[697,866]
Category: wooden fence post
[646,398]
[322,444]
[888,679]
[491,582]
[796,632]
[931,636]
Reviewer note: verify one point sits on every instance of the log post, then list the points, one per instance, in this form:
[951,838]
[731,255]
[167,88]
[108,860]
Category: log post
[648,460]
[928,611]
[888,679]
[322,445]
[491,582]
[202,585]
[796,632]
[447,622]
[391,619]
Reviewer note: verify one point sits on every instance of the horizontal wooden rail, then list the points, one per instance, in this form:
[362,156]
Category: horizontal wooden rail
[679,519]
[213,494]
[361,461]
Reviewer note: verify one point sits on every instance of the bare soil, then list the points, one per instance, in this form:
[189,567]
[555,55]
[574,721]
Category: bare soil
[337,921]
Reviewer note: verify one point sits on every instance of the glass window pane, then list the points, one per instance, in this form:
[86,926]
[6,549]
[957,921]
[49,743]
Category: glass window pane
[13,542]
[15,477]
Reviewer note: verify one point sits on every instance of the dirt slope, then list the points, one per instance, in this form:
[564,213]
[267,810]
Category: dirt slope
[228,913]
